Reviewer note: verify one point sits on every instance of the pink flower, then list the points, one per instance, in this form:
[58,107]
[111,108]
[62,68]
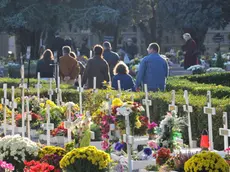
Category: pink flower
[105,136]
[152,125]
[104,145]
[153,144]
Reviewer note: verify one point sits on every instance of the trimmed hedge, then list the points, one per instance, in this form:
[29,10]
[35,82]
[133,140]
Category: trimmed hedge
[158,110]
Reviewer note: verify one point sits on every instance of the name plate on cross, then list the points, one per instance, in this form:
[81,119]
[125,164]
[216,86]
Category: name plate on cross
[209,110]
[49,126]
[188,108]
[130,139]
[23,85]
[67,124]
[173,108]
[38,86]
[5,101]
[147,102]
[224,132]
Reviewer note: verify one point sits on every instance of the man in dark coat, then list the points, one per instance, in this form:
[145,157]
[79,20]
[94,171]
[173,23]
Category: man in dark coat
[190,51]
[111,57]
[131,49]
[96,67]
[58,43]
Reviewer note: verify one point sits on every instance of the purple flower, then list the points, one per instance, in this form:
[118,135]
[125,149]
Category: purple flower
[152,125]
[119,146]
[148,151]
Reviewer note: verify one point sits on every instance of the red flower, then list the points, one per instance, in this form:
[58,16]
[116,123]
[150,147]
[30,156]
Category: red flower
[36,166]
[60,130]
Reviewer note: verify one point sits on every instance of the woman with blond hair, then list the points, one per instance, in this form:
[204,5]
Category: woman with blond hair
[45,64]
[121,72]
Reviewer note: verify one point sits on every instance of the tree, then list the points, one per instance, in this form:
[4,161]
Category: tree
[193,16]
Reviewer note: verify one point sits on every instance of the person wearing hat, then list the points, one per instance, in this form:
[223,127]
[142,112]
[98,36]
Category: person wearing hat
[190,51]
[111,57]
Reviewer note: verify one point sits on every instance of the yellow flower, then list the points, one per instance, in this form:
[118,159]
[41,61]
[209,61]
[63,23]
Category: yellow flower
[117,102]
[1,108]
[138,124]
[42,105]
[51,103]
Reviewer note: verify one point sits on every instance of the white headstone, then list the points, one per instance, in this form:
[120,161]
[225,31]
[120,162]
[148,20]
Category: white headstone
[147,102]
[225,131]
[209,110]
[80,90]
[187,108]
[5,103]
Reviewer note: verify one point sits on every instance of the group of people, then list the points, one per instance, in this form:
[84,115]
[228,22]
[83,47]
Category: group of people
[107,65]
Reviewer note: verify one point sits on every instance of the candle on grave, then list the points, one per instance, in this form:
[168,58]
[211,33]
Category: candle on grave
[94,83]
[13,111]
[38,87]
[28,117]
[5,104]
[80,93]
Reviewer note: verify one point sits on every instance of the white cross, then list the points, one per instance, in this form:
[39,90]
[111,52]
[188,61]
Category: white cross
[23,86]
[119,88]
[80,90]
[209,110]
[50,91]
[187,108]
[58,91]
[38,86]
[125,111]
[5,102]
[147,102]
[28,116]
[13,106]
[225,131]
[68,123]
[94,88]
[173,107]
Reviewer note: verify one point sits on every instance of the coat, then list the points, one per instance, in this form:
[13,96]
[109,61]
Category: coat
[190,49]
[153,71]
[126,81]
[99,68]
[46,70]
[69,67]
[112,59]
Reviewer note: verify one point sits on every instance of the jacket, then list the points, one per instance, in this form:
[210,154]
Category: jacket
[99,68]
[69,67]
[125,80]
[191,53]
[112,59]
[46,70]
[153,71]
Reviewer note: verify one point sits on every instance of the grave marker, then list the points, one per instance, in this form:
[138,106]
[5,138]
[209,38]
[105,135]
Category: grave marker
[147,102]
[5,103]
[172,106]
[68,123]
[119,88]
[28,116]
[80,90]
[38,86]
[225,131]
[50,91]
[13,106]
[209,110]
[187,108]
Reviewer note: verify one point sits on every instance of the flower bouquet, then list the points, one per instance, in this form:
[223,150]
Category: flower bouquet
[34,123]
[16,150]
[36,166]
[6,167]
[206,161]
[227,156]
[162,156]
[59,131]
[85,159]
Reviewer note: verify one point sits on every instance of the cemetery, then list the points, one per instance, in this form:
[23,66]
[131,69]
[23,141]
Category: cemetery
[128,131]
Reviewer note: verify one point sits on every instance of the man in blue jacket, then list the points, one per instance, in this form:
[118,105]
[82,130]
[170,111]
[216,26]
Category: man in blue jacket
[153,70]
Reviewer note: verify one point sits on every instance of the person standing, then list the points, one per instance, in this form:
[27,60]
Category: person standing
[190,51]
[69,67]
[111,57]
[45,64]
[131,49]
[57,45]
[121,73]
[96,67]
[153,70]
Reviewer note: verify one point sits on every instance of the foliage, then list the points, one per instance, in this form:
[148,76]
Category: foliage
[16,149]
[205,162]
[219,61]
[85,159]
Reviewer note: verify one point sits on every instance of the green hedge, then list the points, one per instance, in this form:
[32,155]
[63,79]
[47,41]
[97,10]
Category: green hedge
[211,78]
[158,110]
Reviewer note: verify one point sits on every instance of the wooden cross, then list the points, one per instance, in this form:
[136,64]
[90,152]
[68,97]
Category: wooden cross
[187,108]
[5,103]
[13,105]
[80,90]
[50,91]
[225,131]
[209,110]
[68,123]
[38,86]
[147,102]
[119,88]
[28,116]
[172,106]
[126,111]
